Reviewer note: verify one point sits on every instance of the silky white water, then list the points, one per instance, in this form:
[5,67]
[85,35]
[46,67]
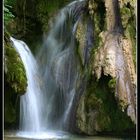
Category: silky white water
[31,101]
[60,66]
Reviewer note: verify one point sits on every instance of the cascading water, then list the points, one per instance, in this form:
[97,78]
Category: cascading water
[47,106]
[30,103]
[60,65]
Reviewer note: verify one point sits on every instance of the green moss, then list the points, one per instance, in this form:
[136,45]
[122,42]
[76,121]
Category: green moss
[99,97]
[97,44]
[42,15]
[112,83]
[14,69]
[99,16]
[130,33]
[125,15]
[129,25]
[46,10]
[99,25]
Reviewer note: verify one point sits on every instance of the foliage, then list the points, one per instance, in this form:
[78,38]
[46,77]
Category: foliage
[46,10]
[7,13]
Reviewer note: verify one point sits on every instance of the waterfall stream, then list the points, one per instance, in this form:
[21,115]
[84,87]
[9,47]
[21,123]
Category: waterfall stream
[60,65]
[30,103]
[52,76]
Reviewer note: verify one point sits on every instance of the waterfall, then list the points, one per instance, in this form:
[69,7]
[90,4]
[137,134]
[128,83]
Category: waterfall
[30,103]
[52,76]
[60,65]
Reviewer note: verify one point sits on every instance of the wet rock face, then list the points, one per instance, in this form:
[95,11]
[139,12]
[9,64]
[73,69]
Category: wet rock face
[117,59]
[87,120]
[84,36]
[113,56]
[81,37]
[115,62]
[98,110]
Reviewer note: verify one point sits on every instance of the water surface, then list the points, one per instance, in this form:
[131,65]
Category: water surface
[57,135]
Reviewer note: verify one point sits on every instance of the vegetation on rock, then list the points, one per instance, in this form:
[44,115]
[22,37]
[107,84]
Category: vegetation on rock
[103,106]
[101,113]
[8,16]
[14,70]
[14,79]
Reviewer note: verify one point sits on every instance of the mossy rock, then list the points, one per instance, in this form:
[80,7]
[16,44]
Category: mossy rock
[118,121]
[99,97]
[128,16]
[15,73]
[112,84]
[15,82]
[130,33]
[125,15]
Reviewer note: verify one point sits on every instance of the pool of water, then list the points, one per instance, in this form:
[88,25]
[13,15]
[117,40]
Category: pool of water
[56,135]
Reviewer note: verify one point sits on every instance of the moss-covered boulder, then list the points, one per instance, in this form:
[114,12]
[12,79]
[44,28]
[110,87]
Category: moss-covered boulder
[15,80]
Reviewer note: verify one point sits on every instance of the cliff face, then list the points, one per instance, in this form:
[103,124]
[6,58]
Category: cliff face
[112,62]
